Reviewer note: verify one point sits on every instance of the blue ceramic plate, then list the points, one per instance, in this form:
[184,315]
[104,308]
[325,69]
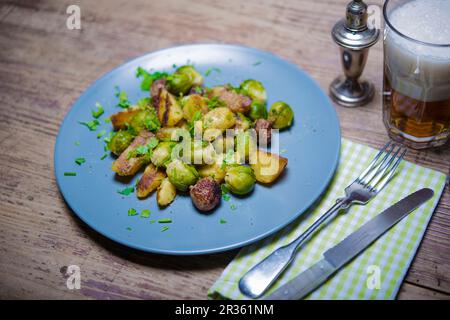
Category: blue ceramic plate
[312,146]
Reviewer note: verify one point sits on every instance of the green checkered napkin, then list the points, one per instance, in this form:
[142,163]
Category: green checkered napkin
[391,254]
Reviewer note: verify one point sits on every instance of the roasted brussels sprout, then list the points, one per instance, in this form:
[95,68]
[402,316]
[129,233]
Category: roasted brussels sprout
[205,194]
[258,111]
[281,115]
[242,122]
[169,111]
[166,193]
[245,145]
[194,105]
[162,153]
[255,90]
[183,79]
[220,118]
[181,175]
[120,141]
[263,129]
[239,180]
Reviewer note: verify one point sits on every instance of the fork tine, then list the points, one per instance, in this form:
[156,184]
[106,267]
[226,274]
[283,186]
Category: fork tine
[380,174]
[379,166]
[372,163]
[388,177]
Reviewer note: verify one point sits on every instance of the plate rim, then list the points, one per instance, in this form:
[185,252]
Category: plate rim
[240,244]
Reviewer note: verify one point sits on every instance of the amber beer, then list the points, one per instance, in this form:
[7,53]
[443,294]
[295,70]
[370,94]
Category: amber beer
[416,92]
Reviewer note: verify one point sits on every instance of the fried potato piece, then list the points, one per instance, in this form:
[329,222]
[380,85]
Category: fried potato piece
[166,193]
[120,119]
[150,180]
[268,166]
[169,111]
[215,170]
[125,166]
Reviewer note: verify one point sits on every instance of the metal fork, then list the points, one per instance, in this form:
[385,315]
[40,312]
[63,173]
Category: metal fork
[379,172]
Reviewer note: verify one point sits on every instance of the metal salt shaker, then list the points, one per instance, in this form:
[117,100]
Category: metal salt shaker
[354,38]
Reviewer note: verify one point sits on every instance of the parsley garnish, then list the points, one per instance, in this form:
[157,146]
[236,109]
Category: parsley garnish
[152,221]
[99,111]
[127,191]
[77,143]
[107,120]
[222,221]
[132,212]
[80,161]
[123,98]
[129,228]
[143,149]
[233,207]
[91,125]
[148,77]
[145,213]
[208,72]
[70,174]
[166,220]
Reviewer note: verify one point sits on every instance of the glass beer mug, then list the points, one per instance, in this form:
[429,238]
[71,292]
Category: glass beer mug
[416,89]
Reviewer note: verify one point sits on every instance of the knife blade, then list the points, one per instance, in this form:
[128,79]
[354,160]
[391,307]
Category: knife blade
[337,256]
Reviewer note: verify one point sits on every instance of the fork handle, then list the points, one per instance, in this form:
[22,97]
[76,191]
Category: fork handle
[259,278]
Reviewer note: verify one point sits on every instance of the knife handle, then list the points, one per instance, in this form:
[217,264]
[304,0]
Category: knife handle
[259,278]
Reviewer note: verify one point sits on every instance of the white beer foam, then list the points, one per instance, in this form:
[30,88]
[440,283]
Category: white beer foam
[418,70]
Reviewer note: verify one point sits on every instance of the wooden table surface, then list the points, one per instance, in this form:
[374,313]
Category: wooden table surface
[44,67]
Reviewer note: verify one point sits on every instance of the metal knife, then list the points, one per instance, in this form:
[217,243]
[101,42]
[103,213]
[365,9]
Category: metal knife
[336,257]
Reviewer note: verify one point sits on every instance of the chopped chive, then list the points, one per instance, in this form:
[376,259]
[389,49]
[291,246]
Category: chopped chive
[222,221]
[132,212]
[127,191]
[257,63]
[129,228]
[99,111]
[145,213]
[104,156]
[233,207]
[80,161]
[107,120]
[101,134]
[152,221]
[77,143]
[70,174]
[165,228]
[166,220]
